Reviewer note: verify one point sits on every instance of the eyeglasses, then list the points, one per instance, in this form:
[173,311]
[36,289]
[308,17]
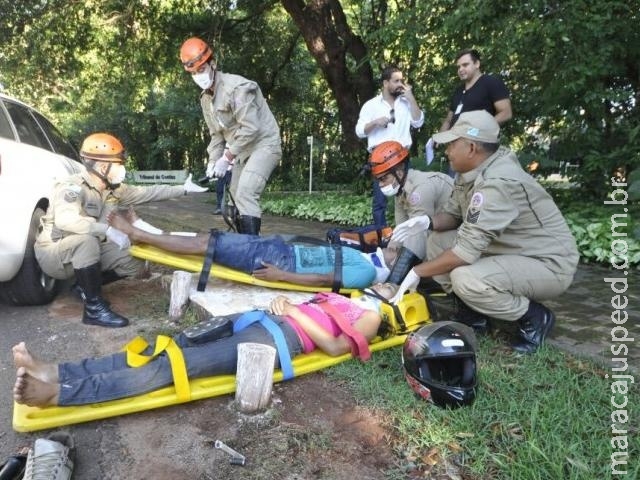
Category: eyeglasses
[392,116]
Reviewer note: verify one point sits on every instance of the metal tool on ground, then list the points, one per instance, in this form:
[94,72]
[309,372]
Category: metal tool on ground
[236,457]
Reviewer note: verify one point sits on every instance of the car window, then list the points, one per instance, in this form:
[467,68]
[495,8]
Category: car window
[27,127]
[5,126]
[60,143]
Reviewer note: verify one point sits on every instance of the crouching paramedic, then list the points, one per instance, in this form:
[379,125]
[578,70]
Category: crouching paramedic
[74,237]
[501,245]
[415,194]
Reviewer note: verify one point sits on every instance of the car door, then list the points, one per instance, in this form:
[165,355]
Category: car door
[29,168]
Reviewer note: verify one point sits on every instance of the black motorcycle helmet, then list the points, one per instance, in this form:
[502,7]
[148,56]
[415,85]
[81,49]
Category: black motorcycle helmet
[439,363]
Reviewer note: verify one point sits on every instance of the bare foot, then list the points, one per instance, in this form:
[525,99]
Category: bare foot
[30,391]
[47,372]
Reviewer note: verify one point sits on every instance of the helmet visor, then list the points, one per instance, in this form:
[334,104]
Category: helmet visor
[196,61]
[447,371]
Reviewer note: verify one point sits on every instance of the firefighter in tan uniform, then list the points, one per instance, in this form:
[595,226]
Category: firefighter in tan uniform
[237,116]
[75,238]
[416,194]
[501,244]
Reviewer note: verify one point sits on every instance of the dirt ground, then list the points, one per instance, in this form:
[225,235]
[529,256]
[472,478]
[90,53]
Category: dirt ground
[313,430]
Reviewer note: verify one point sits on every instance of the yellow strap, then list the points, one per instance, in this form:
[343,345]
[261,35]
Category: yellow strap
[135,359]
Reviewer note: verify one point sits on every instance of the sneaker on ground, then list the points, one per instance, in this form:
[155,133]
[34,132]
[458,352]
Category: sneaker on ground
[51,458]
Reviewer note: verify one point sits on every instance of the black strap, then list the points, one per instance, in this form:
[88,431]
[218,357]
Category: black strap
[337,269]
[208,260]
[396,311]
[230,213]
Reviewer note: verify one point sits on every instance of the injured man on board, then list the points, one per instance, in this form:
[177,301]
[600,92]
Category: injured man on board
[273,258]
[328,322]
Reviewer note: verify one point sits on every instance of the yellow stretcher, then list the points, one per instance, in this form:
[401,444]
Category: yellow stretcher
[412,311]
[193,263]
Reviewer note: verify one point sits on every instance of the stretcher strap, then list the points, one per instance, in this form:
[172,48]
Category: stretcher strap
[337,269]
[396,311]
[208,260]
[246,319]
[135,358]
[358,342]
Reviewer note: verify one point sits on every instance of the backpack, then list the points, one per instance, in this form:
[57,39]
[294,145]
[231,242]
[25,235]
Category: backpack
[366,239]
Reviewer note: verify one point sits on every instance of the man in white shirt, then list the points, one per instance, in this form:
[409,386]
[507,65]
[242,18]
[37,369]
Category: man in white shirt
[388,116]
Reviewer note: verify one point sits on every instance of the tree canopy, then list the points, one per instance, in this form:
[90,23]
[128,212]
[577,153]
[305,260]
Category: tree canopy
[572,68]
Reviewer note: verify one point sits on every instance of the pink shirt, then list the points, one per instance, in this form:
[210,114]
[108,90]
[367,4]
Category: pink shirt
[349,310]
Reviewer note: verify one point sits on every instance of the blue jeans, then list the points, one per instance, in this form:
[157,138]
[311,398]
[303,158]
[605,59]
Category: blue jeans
[379,206]
[95,380]
[247,252]
[221,185]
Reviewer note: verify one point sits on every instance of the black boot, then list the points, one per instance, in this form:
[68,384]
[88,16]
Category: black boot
[249,225]
[464,314]
[96,309]
[405,261]
[110,276]
[533,327]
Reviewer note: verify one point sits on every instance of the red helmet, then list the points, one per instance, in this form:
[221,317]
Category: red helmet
[102,147]
[193,53]
[386,156]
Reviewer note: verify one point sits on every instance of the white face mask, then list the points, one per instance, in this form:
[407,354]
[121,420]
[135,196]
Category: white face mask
[117,174]
[390,190]
[204,79]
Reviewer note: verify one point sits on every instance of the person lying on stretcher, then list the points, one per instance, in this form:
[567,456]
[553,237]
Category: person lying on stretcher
[307,326]
[272,258]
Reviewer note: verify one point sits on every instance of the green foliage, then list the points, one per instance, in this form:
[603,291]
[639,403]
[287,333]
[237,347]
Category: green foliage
[112,65]
[537,417]
[594,241]
[344,209]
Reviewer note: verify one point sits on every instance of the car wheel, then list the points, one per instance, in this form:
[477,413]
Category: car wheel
[30,286]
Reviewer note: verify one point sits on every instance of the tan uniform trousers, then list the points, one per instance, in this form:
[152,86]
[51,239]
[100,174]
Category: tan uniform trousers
[498,286]
[249,177]
[59,259]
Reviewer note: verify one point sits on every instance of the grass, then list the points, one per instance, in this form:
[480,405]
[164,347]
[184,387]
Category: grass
[545,416]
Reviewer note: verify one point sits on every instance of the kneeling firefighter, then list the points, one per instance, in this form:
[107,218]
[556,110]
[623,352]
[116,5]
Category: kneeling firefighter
[75,238]
[415,194]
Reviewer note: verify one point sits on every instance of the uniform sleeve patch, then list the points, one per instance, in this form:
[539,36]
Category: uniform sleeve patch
[473,212]
[477,200]
[70,196]
[414,198]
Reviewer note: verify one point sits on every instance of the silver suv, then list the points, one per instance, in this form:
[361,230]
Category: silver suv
[33,156]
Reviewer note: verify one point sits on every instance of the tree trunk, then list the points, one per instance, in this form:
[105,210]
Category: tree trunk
[334,46]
